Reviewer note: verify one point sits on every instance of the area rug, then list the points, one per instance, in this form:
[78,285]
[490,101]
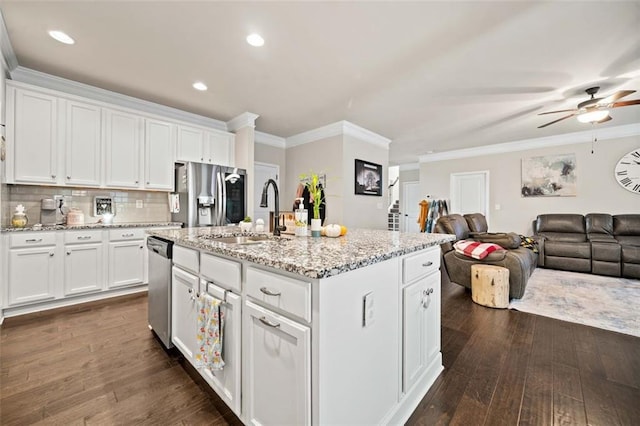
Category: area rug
[603,302]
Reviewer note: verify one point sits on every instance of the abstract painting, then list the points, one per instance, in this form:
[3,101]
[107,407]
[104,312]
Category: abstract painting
[549,176]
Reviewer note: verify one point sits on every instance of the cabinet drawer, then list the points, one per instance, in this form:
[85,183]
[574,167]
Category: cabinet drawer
[186,258]
[126,234]
[420,264]
[223,272]
[87,236]
[32,239]
[287,294]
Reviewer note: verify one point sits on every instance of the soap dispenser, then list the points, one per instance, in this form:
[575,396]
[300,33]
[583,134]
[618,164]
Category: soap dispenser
[301,217]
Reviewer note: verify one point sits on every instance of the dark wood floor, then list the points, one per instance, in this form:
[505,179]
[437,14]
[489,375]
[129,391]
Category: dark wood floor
[99,364]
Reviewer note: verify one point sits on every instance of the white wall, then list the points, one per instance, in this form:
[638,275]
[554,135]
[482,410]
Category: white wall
[597,189]
[364,211]
[321,156]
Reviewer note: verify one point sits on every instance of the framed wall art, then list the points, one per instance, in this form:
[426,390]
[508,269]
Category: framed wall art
[549,176]
[368,178]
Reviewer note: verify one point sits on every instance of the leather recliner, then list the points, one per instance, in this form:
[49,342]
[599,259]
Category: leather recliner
[520,262]
[596,243]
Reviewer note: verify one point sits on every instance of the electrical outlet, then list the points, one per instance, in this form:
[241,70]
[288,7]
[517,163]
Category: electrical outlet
[139,204]
[367,310]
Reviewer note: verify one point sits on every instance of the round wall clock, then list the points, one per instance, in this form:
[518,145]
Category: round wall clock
[628,171]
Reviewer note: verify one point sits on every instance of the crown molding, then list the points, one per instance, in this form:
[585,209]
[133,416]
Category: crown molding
[605,133]
[8,55]
[40,79]
[339,128]
[271,140]
[246,119]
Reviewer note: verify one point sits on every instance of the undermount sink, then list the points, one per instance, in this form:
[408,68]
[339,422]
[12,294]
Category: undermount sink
[242,240]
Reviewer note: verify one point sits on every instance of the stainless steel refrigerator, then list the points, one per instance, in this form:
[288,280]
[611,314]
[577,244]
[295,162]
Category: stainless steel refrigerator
[208,195]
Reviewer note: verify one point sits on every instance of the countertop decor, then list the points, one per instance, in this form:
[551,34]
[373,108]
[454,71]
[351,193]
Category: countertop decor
[310,257]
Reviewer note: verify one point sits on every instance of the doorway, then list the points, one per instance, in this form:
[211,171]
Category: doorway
[410,206]
[470,193]
[262,173]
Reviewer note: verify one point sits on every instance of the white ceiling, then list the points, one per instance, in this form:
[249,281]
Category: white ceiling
[430,76]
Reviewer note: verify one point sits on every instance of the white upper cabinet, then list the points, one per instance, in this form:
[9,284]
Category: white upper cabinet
[159,145]
[82,144]
[123,137]
[205,146]
[32,137]
[218,148]
[190,144]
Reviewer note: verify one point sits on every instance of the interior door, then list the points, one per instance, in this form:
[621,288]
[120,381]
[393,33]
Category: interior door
[470,193]
[410,207]
[262,173]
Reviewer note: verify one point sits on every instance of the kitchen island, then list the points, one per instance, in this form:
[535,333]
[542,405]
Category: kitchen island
[318,330]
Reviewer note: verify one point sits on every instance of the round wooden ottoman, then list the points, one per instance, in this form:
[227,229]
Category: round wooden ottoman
[490,285]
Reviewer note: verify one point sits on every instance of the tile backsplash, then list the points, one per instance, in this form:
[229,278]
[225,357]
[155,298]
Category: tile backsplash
[155,205]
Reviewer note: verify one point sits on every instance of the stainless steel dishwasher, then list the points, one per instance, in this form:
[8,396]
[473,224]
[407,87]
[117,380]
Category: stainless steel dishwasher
[160,254]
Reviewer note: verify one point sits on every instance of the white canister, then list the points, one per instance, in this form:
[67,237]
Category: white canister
[75,217]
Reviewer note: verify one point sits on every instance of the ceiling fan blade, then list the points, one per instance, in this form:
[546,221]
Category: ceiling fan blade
[625,103]
[560,110]
[555,121]
[612,98]
[604,120]
[589,102]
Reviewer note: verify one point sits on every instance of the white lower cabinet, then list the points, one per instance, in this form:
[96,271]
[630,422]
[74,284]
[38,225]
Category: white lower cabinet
[184,312]
[83,268]
[227,382]
[421,328]
[126,263]
[277,368]
[32,275]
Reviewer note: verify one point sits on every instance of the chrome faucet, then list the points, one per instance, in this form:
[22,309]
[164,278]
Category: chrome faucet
[263,203]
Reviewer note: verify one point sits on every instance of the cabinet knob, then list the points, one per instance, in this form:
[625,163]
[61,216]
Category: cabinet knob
[201,158]
[141,247]
[136,182]
[148,182]
[209,159]
[68,177]
[68,253]
[50,254]
[53,176]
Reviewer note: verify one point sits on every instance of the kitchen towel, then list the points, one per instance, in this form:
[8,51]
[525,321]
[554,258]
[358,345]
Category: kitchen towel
[209,333]
[174,202]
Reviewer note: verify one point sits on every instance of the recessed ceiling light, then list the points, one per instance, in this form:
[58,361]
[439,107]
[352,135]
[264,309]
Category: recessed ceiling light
[255,40]
[61,37]
[198,85]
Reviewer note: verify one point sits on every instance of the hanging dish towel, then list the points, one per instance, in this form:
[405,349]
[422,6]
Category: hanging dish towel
[209,334]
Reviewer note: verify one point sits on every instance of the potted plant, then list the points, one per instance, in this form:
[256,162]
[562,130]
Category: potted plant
[245,225]
[315,196]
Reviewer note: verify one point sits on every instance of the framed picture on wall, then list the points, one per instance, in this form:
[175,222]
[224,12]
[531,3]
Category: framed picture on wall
[368,178]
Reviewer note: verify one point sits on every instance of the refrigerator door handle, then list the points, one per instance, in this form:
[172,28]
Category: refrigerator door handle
[223,218]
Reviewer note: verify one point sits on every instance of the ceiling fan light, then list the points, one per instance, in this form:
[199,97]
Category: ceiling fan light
[593,116]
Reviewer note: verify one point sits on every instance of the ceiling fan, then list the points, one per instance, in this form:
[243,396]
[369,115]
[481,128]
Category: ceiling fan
[595,110]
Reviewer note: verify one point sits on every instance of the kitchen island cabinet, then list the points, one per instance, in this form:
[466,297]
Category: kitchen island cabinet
[326,324]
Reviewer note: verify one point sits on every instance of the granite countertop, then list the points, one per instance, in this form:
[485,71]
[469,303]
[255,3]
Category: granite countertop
[89,226]
[311,257]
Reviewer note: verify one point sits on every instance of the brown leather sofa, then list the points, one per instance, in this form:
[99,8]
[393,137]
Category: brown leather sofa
[520,261]
[596,243]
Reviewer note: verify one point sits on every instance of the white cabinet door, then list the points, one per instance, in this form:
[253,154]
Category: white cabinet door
[421,327]
[218,148]
[126,263]
[184,312]
[277,369]
[226,382]
[190,144]
[83,270]
[82,144]
[123,136]
[159,147]
[35,137]
[31,275]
